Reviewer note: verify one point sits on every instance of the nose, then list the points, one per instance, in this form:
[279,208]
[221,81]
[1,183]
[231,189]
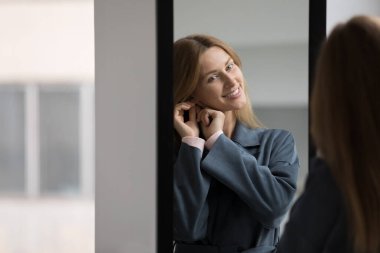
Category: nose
[229,80]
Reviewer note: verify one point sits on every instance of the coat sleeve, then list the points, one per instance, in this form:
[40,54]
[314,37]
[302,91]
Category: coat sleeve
[267,189]
[191,186]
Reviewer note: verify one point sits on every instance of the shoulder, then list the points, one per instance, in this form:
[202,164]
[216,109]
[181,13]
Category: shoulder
[320,186]
[262,133]
[275,133]
[321,180]
[276,137]
[263,137]
[317,220]
[318,167]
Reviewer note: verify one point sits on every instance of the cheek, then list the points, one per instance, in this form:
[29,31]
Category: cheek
[204,92]
[209,92]
[239,75]
[200,96]
[206,98]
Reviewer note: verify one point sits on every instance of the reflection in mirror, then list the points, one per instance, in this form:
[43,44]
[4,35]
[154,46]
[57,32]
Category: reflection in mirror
[271,39]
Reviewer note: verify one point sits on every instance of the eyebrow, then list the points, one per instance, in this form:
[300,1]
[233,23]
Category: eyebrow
[212,71]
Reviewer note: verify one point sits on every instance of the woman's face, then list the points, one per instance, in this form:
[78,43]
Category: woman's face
[221,82]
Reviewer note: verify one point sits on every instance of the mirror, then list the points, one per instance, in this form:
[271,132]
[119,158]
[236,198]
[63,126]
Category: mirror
[271,38]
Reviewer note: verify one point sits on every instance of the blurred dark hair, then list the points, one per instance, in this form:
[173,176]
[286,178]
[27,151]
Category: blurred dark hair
[345,111]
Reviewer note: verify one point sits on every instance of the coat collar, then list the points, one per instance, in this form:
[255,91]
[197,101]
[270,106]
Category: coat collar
[245,136]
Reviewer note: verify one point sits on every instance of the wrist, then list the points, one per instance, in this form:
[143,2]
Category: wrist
[212,139]
[194,142]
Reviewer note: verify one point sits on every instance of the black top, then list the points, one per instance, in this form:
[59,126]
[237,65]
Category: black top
[317,221]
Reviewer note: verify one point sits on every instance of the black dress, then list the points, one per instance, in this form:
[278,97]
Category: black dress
[317,221]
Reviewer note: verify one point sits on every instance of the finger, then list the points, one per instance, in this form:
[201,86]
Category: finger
[208,112]
[200,115]
[178,113]
[188,103]
[180,109]
[214,113]
[182,106]
[205,118]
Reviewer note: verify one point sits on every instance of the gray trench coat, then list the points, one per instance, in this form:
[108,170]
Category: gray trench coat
[233,197]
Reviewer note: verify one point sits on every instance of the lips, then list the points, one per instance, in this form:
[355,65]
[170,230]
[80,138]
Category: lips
[234,93]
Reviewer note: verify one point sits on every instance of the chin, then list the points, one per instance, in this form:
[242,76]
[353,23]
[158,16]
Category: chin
[237,107]
[241,104]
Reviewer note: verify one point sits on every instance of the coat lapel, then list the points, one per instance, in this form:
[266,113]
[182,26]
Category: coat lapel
[245,136]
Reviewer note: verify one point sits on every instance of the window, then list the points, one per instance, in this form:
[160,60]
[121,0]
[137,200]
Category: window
[12,139]
[46,126]
[46,140]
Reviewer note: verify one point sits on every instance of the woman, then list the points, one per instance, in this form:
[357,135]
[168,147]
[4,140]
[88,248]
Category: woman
[233,181]
[340,208]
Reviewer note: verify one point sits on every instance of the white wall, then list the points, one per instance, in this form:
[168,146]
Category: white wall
[244,22]
[277,74]
[40,43]
[342,10]
[125,84]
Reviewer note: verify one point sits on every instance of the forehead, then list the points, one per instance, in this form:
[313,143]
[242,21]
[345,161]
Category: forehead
[213,58]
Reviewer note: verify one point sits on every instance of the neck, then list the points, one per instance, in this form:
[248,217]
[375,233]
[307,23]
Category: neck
[229,123]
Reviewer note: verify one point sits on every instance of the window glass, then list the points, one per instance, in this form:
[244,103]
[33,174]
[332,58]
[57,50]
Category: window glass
[59,140]
[12,139]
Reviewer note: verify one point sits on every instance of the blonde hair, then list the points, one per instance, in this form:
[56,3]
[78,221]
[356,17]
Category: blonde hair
[187,52]
[345,110]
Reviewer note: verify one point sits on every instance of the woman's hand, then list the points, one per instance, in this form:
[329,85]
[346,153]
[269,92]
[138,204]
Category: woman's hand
[211,121]
[190,126]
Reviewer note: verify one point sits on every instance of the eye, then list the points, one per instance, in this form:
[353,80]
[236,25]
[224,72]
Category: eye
[230,66]
[212,78]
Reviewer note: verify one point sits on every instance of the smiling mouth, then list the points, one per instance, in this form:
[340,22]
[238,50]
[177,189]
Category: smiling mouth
[234,93]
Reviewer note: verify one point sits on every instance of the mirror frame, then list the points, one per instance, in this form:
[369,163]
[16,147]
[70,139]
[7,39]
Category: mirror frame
[164,142]
[317,34]
[164,121]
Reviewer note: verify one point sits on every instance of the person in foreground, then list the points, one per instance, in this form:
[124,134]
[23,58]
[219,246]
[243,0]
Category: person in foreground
[339,210]
[233,180]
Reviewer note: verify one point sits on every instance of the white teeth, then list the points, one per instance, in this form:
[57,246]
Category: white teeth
[235,92]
